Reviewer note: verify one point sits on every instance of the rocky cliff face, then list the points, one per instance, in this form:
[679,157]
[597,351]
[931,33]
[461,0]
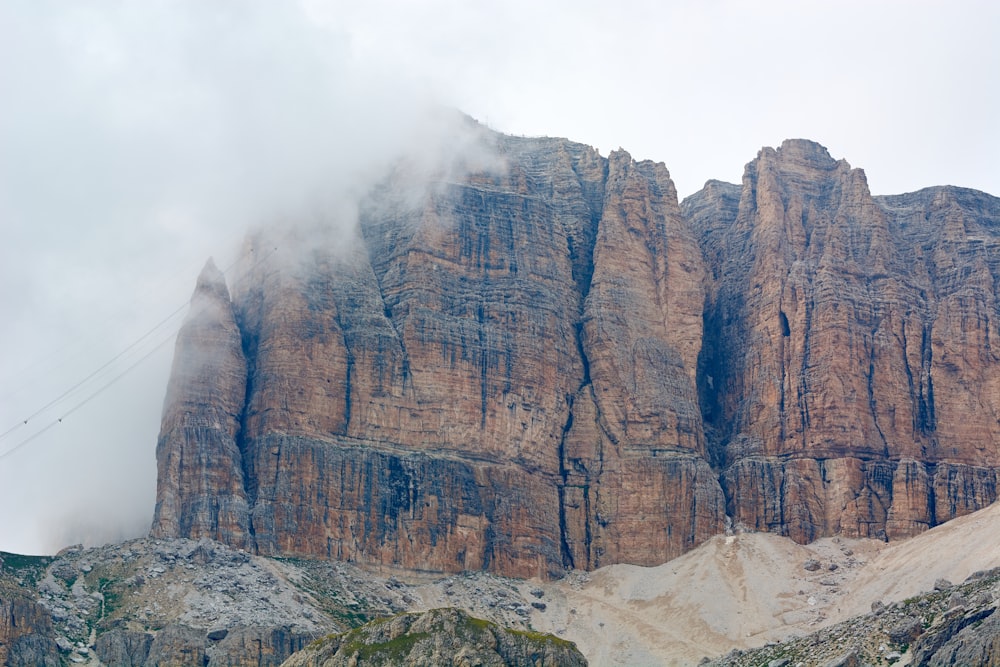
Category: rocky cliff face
[25,629]
[554,364]
[850,367]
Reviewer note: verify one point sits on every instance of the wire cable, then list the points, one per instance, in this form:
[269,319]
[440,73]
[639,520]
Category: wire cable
[89,398]
[93,374]
[109,363]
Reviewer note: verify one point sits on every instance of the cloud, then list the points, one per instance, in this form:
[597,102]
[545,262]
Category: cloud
[136,140]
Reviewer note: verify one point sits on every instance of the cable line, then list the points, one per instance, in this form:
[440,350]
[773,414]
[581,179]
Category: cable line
[173,331]
[89,398]
[89,377]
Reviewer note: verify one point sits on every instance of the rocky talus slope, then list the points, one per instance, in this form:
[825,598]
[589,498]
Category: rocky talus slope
[950,626]
[185,602]
[553,364]
[177,601]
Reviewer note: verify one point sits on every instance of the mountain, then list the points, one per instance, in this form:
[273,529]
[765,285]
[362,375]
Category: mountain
[549,363]
[755,597]
[850,365]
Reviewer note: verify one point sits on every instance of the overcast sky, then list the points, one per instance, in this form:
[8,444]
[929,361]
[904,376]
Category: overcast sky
[139,138]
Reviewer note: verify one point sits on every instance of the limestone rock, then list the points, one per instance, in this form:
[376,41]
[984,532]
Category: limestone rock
[969,639]
[33,651]
[262,647]
[437,637]
[837,323]
[123,648]
[200,490]
[26,633]
[554,364]
[498,372]
[177,645]
[906,630]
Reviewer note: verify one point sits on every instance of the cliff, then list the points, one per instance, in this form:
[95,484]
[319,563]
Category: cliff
[850,368]
[553,364]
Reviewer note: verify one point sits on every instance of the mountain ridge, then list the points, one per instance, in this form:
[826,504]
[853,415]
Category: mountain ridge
[557,365]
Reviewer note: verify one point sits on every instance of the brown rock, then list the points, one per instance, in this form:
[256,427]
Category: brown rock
[178,646]
[499,373]
[829,320]
[123,648]
[555,365]
[26,633]
[200,490]
[261,647]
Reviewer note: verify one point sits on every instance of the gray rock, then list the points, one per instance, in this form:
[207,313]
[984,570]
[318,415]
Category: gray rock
[851,658]
[811,565]
[268,646]
[906,630]
[202,554]
[124,648]
[33,651]
[956,599]
[178,645]
[942,585]
[961,638]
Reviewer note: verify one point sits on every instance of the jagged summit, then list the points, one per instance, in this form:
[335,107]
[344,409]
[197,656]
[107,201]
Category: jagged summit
[212,281]
[554,365]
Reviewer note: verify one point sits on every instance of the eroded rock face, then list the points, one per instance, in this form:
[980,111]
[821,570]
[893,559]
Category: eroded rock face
[849,375]
[553,364]
[201,491]
[26,633]
[498,373]
[127,648]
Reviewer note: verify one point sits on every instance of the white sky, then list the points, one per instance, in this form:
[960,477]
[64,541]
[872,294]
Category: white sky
[138,138]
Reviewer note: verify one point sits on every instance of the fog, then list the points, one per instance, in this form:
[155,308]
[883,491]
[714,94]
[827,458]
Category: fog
[139,138]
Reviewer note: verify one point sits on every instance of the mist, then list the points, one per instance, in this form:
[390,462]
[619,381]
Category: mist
[137,139]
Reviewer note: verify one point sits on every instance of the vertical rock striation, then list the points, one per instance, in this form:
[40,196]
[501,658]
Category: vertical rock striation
[849,377]
[201,490]
[553,364]
[498,371]
[26,633]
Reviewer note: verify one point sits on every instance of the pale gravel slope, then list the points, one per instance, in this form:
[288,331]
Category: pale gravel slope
[745,590]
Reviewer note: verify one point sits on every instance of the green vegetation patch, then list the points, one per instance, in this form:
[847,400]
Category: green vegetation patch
[28,568]
[19,562]
[392,651]
[543,637]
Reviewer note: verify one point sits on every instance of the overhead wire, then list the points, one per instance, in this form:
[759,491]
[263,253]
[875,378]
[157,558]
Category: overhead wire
[89,398]
[93,374]
[173,330]
[70,349]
